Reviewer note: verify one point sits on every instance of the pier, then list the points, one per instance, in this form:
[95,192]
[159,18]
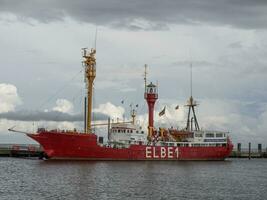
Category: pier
[250,152]
[20,150]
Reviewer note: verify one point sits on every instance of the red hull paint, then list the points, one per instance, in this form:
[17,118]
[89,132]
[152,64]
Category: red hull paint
[85,147]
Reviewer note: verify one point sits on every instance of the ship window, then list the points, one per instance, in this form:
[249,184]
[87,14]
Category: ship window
[124,131]
[210,135]
[219,135]
[142,131]
[198,135]
[131,131]
[119,131]
[136,131]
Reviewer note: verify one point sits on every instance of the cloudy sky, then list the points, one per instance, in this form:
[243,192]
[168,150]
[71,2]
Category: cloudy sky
[41,79]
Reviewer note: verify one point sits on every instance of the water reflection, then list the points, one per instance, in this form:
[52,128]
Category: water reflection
[38,179]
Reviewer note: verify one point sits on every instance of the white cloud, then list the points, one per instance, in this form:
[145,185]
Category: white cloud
[230,73]
[59,125]
[217,114]
[9,97]
[261,126]
[212,114]
[172,117]
[220,115]
[111,110]
[63,105]
[31,127]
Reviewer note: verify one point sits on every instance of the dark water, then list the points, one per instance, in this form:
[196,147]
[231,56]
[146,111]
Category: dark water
[35,179]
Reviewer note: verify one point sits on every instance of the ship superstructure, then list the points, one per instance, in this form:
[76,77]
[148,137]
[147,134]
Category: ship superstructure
[128,140]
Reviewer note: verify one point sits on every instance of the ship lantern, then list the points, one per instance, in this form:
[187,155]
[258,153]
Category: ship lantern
[151,96]
[151,89]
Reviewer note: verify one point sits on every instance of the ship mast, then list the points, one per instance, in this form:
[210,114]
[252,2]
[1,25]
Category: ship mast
[145,75]
[191,103]
[90,74]
[133,115]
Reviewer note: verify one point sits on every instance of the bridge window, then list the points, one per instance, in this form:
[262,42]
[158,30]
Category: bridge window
[219,135]
[210,135]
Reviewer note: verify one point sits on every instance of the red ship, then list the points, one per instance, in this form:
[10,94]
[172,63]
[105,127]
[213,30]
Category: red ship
[128,141]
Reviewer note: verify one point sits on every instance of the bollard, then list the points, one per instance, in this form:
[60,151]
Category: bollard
[260,149]
[249,150]
[239,149]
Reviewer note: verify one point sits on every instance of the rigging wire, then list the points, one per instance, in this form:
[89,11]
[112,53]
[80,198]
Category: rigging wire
[93,114]
[46,101]
[76,96]
[59,90]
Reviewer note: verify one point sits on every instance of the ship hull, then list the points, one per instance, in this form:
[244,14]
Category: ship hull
[74,146]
